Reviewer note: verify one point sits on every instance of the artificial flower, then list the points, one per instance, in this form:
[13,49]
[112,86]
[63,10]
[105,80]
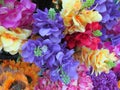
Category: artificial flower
[75,21]
[82,83]
[14,13]
[109,11]
[29,70]
[88,38]
[52,56]
[100,60]
[48,23]
[104,81]
[12,40]
[13,81]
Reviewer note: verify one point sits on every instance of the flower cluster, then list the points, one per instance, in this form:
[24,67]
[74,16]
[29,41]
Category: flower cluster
[73,45]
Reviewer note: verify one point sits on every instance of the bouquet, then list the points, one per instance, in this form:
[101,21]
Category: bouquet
[65,45]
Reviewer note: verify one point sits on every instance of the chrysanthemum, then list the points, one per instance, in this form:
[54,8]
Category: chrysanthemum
[100,60]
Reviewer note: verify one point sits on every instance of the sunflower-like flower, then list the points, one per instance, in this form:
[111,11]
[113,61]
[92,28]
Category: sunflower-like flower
[11,40]
[29,70]
[100,60]
[75,21]
[13,81]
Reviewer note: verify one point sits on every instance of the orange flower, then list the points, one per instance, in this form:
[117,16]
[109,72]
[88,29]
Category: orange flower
[10,78]
[29,70]
[119,84]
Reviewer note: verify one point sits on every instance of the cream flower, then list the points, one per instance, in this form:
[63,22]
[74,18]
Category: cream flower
[99,59]
[75,21]
[11,40]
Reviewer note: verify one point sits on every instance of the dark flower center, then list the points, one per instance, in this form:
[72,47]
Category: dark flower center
[17,85]
[29,78]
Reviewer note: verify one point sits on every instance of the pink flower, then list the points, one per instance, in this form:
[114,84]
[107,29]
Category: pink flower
[16,13]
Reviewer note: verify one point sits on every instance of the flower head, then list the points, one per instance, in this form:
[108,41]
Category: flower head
[100,60]
[16,13]
[105,81]
[48,23]
[11,40]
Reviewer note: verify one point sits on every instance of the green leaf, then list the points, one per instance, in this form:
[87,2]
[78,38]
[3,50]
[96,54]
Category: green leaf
[1,1]
[97,33]
[88,4]
[51,13]
[111,64]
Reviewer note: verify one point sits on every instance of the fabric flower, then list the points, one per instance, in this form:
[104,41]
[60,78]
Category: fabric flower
[13,81]
[87,38]
[16,13]
[82,83]
[100,60]
[11,40]
[75,21]
[105,81]
[52,56]
[30,71]
[109,11]
[48,23]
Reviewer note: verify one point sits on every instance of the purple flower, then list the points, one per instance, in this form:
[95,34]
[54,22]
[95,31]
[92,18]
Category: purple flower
[52,56]
[105,81]
[109,11]
[48,24]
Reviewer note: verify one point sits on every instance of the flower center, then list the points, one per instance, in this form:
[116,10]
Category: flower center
[38,51]
[17,85]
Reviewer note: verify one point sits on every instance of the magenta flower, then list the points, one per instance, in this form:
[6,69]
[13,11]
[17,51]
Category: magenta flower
[14,13]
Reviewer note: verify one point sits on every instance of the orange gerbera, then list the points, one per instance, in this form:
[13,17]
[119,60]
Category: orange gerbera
[12,80]
[29,70]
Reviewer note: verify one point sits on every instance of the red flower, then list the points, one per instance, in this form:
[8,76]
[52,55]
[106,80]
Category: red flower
[84,39]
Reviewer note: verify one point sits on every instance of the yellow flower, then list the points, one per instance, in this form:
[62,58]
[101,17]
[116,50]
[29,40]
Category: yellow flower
[12,40]
[99,59]
[75,21]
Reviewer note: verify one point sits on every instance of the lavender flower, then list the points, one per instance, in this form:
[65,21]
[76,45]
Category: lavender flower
[52,56]
[109,11]
[48,23]
[105,81]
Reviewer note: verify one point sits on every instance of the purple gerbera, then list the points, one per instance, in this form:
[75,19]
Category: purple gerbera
[48,23]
